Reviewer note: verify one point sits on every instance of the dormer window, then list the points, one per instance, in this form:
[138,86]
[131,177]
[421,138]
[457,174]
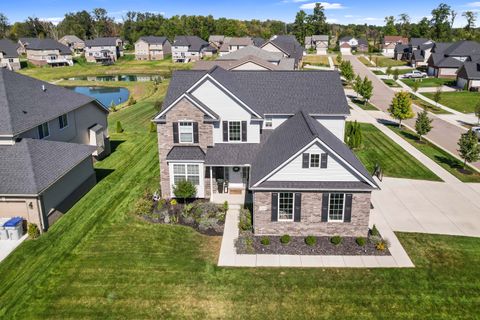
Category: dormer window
[268,122]
[185,130]
[43,130]
[234,131]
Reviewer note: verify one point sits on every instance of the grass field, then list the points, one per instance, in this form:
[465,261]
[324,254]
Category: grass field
[316,60]
[365,61]
[443,158]
[395,162]
[430,107]
[463,101]
[365,106]
[429,82]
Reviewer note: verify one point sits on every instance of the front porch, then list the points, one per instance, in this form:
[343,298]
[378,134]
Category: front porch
[228,183]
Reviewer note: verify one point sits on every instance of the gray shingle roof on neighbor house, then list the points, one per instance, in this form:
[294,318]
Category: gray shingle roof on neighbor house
[153,39]
[194,43]
[24,104]
[71,39]
[273,92]
[186,153]
[415,42]
[102,42]
[299,131]
[470,71]
[231,64]
[439,60]
[216,38]
[289,45]
[31,165]
[231,154]
[9,48]
[258,42]
[240,41]
[252,51]
[47,44]
[462,48]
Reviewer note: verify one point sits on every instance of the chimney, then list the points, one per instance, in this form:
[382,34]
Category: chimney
[43,88]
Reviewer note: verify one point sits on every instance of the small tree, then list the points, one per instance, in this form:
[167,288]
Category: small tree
[153,127]
[119,128]
[184,189]
[366,90]
[131,101]
[158,105]
[357,85]
[396,74]
[354,136]
[346,70]
[423,125]
[339,59]
[401,107]
[415,86]
[437,96]
[113,107]
[389,71]
[477,112]
[468,147]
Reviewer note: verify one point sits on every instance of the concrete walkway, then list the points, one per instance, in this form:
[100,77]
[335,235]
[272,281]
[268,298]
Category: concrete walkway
[229,257]
[7,246]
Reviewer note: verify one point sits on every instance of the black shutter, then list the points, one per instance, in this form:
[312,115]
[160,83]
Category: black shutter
[175,132]
[297,211]
[324,160]
[306,160]
[274,206]
[348,208]
[225,130]
[325,199]
[195,132]
[244,130]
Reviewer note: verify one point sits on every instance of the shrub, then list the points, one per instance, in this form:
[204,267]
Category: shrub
[173,202]
[225,206]
[380,244]
[187,209]
[153,127]
[32,230]
[185,189]
[310,240]
[131,101]
[265,241]
[158,105]
[374,231]
[245,222]
[336,240]
[143,206]
[285,239]
[119,127]
[361,241]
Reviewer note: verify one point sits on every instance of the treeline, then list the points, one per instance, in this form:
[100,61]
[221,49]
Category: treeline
[98,23]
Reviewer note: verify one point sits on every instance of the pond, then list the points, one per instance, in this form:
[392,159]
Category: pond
[120,77]
[104,94]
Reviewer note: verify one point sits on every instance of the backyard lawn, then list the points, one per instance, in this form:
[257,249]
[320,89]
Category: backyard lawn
[429,82]
[387,62]
[463,101]
[394,161]
[315,60]
[443,158]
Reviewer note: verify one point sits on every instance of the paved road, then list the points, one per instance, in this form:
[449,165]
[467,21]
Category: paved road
[443,133]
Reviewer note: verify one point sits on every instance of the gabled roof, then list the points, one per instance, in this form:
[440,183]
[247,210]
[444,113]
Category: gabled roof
[415,42]
[346,38]
[462,48]
[9,48]
[231,154]
[71,39]
[47,44]
[289,45]
[240,41]
[24,105]
[300,131]
[439,60]
[273,92]
[418,55]
[470,71]
[320,37]
[258,42]
[31,165]
[102,42]
[194,43]
[216,38]
[252,51]
[439,47]
[153,39]
[232,64]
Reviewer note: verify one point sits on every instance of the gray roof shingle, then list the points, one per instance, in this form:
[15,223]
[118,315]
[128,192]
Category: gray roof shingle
[30,166]
[470,70]
[186,153]
[252,51]
[102,42]
[315,185]
[47,44]
[231,154]
[153,39]
[9,48]
[194,43]
[289,45]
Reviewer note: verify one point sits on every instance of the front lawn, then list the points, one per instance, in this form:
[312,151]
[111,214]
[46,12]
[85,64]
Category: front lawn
[443,158]
[463,101]
[365,106]
[365,61]
[425,105]
[384,62]
[429,82]
[394,161]
[315,60]
[391,83]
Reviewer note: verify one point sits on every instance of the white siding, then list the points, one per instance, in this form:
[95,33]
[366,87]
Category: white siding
[250,66]
[447,72]
[475,83]
[270,47]
[293,171]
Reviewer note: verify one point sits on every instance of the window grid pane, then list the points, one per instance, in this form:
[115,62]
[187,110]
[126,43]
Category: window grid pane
[336,205]
[190,172]
[234,128]
[185,130]
[285,206]
[315,161]
[179,169]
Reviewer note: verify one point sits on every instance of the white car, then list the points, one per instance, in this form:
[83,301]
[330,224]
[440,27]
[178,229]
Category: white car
[415,74]
[477,131]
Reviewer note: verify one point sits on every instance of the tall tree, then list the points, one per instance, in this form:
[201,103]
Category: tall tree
[401,107]
[421,29]
[469,28]
[441,22]
[300,27]
[317,20]
[390,29]
[468,147]
[404,24]
[3,25]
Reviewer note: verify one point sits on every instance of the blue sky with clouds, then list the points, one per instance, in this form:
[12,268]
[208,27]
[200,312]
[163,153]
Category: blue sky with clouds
[341,11]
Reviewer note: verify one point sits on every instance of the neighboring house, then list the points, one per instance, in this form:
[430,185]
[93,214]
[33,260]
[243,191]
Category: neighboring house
[216,40]
[22,44]
[75,44]
[188,48]
[234,43]
[274,138]
[9,55]
[317,42]
[468,76]
[41,52]
[349,44]
[417,52]
[447,58]
[152,48]
[105,50]
[287,45]
[47,139]
[390,42]
[258,41]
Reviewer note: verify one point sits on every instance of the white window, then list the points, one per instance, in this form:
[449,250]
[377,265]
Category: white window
[336,207]
[185,132]
[285,206]
[43,130]
[234,130]
[268,122]
[314,160]
[190,172]
[63,121]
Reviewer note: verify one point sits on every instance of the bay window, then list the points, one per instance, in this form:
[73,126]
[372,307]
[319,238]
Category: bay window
[189,172]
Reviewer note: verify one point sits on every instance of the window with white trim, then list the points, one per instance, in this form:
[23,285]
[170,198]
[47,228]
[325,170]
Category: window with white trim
[189,172]
[63,121]
[43,130]
[314,160]
[268,122]
[234,131]
[336,207]
[285,206]
[185,132]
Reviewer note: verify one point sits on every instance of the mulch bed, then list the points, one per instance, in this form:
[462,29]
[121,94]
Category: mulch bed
[217,231]
[297,246]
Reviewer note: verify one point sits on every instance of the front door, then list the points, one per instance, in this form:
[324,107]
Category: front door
[235,175]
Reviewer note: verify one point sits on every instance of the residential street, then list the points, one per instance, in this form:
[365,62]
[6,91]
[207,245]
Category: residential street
[443,133]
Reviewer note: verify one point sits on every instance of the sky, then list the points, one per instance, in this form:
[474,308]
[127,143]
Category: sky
[338,11]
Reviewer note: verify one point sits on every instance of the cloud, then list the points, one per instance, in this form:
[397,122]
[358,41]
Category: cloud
[473,4]
[326,5]
[372,19]
[54,20]
[332,20]
[351,16]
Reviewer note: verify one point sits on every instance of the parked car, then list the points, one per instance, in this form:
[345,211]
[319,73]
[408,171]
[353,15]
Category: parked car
[477,131]
[415,74]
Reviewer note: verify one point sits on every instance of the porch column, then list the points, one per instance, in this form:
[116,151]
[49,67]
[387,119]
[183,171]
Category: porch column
[211,183]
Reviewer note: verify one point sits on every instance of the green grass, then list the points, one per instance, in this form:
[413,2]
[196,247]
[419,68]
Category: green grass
[430,107]
[365,106]
[316,61]
[365,61]
[443,158]
[394,161]
[428,82]
[378,72]
[385,62]
[391,83]
[463,101]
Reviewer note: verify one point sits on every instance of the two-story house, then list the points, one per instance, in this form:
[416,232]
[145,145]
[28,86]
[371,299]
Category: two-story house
[274,138]
[8,55]
[348,44]
[75,44]
[235,43]
[416,52]
[188,48]
[152,48]
[390,42]
[286,45]
[447,58]
[317,42]
[50,52]
[48,135]
[104,50]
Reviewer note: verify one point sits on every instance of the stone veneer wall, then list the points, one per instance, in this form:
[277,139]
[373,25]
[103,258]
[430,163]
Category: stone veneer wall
[183,110]
[311,213]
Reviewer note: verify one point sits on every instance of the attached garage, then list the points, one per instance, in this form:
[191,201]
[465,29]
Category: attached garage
[468,76]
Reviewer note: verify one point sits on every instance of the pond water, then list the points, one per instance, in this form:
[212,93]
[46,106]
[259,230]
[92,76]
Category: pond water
[104,94]
[120,77]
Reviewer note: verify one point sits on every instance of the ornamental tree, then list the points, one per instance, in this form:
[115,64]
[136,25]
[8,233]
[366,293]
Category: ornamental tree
[468,147]
[401,107]
[423,125]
